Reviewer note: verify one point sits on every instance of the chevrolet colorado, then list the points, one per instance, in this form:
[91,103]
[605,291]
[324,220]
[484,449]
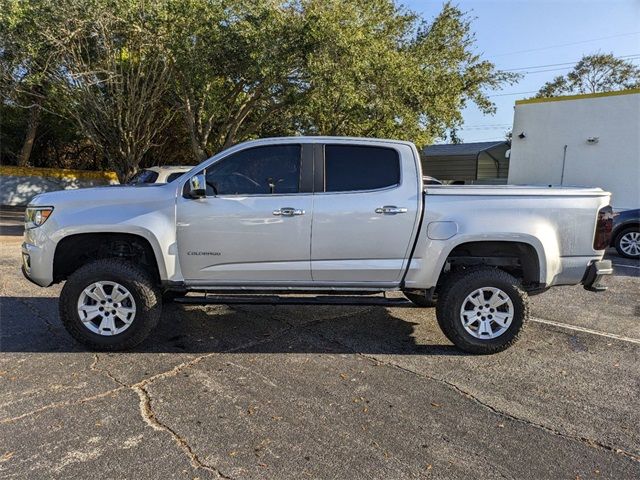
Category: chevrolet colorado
[314,215]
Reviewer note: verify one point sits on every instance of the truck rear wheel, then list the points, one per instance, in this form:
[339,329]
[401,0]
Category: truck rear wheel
[482,310]
[109,305]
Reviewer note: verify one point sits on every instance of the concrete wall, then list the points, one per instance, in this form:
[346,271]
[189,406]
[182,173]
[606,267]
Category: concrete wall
[612,163]
[19,184]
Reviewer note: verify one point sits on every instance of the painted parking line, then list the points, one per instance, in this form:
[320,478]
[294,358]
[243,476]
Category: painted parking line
[626,266]
[587,330]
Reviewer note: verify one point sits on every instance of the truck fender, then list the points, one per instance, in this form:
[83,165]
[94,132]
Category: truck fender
[123,229]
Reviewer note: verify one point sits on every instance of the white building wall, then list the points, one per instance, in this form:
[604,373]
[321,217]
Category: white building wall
[612,163]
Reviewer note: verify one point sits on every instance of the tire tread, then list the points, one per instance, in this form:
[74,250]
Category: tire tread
[148,314]
[453,288]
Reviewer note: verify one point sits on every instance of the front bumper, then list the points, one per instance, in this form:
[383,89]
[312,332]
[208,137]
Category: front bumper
[595,273]
[37,265]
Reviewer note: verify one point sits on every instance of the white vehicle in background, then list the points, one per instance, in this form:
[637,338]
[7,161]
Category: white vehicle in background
[159,174]
[314,214]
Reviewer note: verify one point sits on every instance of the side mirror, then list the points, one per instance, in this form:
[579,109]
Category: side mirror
[197,186]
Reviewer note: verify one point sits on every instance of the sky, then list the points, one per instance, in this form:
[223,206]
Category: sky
[519,34]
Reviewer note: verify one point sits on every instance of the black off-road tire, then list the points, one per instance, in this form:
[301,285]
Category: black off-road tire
[420,300]
[456,289]
[619,236]
[139,283]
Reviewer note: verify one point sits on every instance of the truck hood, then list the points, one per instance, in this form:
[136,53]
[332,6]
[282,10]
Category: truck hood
[105,195]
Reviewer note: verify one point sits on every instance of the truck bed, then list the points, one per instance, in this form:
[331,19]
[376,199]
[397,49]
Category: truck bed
[558,222]
[515,190]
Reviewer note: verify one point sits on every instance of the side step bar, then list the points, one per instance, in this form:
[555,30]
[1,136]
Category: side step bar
[282,300]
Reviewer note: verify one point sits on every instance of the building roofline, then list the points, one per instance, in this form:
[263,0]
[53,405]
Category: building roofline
[452,146]
[630,91]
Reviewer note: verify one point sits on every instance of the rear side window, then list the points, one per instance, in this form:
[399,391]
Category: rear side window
[351,168]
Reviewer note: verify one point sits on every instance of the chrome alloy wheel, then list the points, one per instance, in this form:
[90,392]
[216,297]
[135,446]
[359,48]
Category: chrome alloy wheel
[486,313]
[630,243]
[106,308]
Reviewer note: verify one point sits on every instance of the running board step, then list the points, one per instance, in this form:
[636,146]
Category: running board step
[281,300]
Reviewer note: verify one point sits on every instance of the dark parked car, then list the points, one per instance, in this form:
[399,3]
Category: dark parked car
[160,174]
[626,233]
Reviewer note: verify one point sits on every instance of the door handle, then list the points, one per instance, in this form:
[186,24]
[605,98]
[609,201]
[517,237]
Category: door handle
[391,210]
[288,212]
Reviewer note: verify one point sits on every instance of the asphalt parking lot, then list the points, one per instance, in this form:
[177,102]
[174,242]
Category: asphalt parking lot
[322,392]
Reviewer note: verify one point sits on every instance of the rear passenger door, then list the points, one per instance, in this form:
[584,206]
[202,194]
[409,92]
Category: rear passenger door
[365,213]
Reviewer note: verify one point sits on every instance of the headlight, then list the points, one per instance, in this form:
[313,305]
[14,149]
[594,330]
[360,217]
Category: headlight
[36,216]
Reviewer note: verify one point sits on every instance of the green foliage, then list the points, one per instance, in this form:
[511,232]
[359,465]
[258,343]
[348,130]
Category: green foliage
[24,61]
[23,52]
[332,67]
[58,145]
[218,72]
[113,79]
[592,74]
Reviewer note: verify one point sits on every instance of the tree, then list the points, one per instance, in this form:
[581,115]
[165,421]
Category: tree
[592,74]
[334,67]
[112,80]
[231,71]
[235,66]
[24,61]
[378,70]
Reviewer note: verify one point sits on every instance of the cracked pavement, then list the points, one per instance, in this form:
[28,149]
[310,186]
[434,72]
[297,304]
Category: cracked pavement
[320,392]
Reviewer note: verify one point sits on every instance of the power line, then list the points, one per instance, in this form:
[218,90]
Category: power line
[547,70]
[557,69]
[634,55]
[501,127]
[567,44]
[508,94]
[489,125]
[489,139]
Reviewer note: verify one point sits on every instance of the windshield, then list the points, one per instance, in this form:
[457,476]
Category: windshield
[144,176]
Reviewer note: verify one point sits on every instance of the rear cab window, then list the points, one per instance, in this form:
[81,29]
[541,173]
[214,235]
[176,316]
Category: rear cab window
[352,168]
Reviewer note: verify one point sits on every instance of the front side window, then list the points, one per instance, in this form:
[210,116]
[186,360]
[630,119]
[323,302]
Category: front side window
[350,168]
[256,171]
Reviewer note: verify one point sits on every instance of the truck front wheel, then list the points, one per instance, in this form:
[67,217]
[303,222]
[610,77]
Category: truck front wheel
[482,310]
[110,304]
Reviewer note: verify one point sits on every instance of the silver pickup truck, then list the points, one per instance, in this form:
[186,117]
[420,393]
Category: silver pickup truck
[316,215]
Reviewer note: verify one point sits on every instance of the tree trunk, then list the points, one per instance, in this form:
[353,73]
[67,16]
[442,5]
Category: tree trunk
[199,152]
[30,138]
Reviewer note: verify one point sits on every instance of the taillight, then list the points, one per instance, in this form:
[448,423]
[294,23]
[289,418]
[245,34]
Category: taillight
[604,226]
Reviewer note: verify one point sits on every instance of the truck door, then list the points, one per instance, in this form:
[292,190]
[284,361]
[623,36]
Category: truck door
[365,213]
[254,226]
